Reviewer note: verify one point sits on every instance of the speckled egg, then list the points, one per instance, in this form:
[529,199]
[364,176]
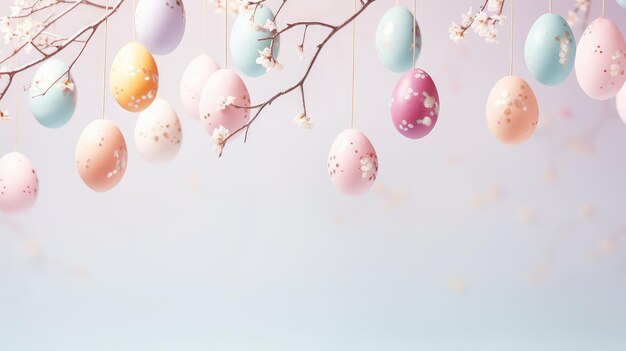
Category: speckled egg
[220,103]
[550,49]
[19,185]
[620,102]
[134,77]
[158,133]
[244,40]
[396,38]
[52,94]
[194,78]
[415,104]
[352,163]
[160,24]
[101,155]
[512,110]
[601,59]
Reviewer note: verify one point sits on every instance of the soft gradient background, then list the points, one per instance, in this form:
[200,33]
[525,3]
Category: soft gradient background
[463,244]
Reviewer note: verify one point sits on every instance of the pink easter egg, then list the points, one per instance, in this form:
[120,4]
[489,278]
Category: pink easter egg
[352,163]
[601,59]
[620,101]
[224,102]
[193,80]
[512,110]
[415,104]
[19,185]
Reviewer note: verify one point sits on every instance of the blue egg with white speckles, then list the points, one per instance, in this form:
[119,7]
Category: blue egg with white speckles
[622,3]
[52,94]
[397,37]
[550,49]
[244,40]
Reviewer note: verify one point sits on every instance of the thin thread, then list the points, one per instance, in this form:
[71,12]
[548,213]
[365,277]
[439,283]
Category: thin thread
[17,110]
[602,8]
[550,7]
[353,65]
[204,26]
[104,66]
[133,15]
[414,29]
[397,2]
[226,35]
[512,37]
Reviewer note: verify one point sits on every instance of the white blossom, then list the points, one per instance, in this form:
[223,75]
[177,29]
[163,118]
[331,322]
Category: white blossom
[219,138]
[494,5]
[267,60]
[4,116]
[222,103]
[456,32]
[67,85]
[304,121]
[270,25]
[300,52]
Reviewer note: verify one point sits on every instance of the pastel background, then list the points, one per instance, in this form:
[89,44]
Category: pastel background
[463,243]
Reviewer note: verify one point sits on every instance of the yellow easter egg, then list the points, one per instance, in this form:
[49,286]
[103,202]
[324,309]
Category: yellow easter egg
[134,77]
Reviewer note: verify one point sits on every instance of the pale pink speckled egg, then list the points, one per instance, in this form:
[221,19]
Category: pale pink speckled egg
[415,104]
[352,163]
[601,59]
[620,102]
[194,78]
[512,110]
[19,185]
[101,155]
[221,102]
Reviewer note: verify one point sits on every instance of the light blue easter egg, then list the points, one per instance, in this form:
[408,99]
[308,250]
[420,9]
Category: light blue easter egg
[52,94]
[395,40]
[622,3]
[244,40]
[550,49]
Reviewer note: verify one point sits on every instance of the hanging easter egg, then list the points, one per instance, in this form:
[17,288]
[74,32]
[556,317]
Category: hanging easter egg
[134,77]
[352,163]
[160,24]
[622,3]
[101,155]
[415,104]
[193,80]
[620,101]
[158,133]
[19,185]
[395,39]
[245,44]
[550,49]
[52,94]
[224,102]
[512,110]
[601,59]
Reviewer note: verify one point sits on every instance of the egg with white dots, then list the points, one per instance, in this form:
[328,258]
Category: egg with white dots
[160,24]
[19,185]
[415,104]
[512,110]
[398,39]
[352,163]
[158,133]
[134,77]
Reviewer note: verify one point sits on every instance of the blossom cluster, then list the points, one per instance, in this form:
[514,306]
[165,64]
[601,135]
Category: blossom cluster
[581,7]
[483,22]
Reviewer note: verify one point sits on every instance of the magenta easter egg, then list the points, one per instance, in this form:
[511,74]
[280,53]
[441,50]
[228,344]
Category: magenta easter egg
[224,102]
[512,110]
[193,80]
[415,104]
[352,163]
[601,59]
[19,185]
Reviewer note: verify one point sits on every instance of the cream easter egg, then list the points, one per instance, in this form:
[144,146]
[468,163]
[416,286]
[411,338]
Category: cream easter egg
[134,77]
[601,59]
[194,78]
[512,110]
[224,102]
[101,155]
[160,24]
[352,163]
[158,133]
[19,185]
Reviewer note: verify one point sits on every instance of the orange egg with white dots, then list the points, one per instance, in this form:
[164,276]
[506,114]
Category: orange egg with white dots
[134,77]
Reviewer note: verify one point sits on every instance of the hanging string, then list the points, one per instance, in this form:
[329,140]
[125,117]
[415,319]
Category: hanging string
[397,2]
[204,26]
[17,107]
[226,35]
[602,8]
[104,67]
[512,37]
[414,30]
[550,7]
[353,65]
[132,3]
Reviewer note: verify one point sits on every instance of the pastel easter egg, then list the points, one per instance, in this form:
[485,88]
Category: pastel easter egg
[193,80]
[622,3]
[52,94]
[512,110]
[397,35]
[158,133]
[245,43]
[620,101]
[19,185]
[134,77]
[550,49]
[601,59]
[224,102]
[101,155]
[352,163]
[415,104]
[160,24]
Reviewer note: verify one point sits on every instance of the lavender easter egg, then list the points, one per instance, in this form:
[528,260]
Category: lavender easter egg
[160,24]
[352,163]
[19,185]
[194,78]
[224,102]
[415,104]
[601,59]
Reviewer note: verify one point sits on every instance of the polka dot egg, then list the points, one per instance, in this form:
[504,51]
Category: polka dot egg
[352,163]
[415,104]
[512,110]
[158,134]
[134,77]
[19,185]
